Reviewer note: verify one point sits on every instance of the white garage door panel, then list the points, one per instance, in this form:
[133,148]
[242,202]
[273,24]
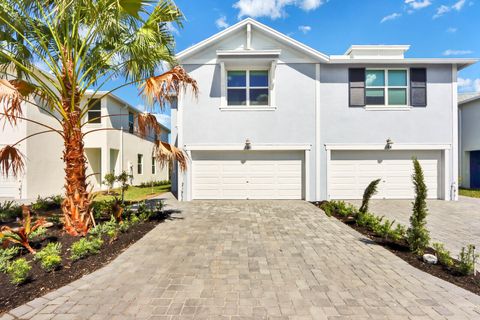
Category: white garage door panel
[9,187]
[352,171]
[247,175]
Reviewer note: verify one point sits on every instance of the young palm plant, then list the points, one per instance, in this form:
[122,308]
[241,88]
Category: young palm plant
[84,44]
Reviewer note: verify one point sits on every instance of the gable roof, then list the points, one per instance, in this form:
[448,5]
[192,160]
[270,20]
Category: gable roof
[266,29]
[468,97]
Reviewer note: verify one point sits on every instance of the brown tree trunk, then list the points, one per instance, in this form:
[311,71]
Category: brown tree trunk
[76,206]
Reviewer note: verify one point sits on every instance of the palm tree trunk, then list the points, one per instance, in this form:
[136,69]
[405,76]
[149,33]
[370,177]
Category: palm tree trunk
[76,206]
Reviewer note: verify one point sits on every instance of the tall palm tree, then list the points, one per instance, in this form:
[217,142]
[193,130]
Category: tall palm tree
[83,44]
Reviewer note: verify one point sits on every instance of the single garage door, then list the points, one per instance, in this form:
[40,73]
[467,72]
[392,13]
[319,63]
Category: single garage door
[247,175]
[9,187]
[352,171]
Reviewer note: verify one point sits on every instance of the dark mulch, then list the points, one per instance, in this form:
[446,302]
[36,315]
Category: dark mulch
[41,282]
[470,283]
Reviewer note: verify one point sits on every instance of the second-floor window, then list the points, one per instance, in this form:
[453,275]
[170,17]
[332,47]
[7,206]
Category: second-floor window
[140,163]
[131,122]
[95,111]
[386,87]
[247,88]
[154,166]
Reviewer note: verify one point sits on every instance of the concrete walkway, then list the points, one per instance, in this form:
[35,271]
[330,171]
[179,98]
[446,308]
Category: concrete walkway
[254,260]
[454,223]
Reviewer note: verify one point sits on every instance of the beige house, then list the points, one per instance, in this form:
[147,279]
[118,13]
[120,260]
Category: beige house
[115,149]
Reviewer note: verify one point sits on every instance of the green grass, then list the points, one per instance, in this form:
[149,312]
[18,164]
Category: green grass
[133,193]
[470,193]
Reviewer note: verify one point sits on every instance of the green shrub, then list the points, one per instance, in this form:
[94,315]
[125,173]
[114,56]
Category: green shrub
[384,229]
[56,200]
[39,232]
[466,260]
[369,221]
[398,233]
[101,209]
[143,212]
[443,255]
[154,184]
[6,255]
[85,247]
[10,210]
[327,207]
[369,192]
[49,256]
[41,204]
[134,219]
[109,181]
[418,235]
[18,271]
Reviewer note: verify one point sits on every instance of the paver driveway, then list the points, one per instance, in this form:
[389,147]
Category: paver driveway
[257,260]
[454,223]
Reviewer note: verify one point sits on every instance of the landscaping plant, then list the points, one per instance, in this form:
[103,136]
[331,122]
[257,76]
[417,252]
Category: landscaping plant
[369,192]
[18,271]
[417,234]
[24,233]
[466,260]
[6,255]
[85,247]
[49,256]
[10,210]
[81,44]
[109,181]
[443,255]
[123,179]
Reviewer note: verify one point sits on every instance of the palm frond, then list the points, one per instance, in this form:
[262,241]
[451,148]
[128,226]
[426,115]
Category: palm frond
[147,122]
[164,87]
[165,153]
[11,161]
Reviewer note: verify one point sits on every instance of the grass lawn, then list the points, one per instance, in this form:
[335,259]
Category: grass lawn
[133,193]
[470,193]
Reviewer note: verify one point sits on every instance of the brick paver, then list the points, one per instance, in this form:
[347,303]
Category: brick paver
[255,260]
[454,223]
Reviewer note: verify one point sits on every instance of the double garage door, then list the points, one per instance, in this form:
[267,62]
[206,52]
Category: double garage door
[352,171]
[247,174]
[9,187]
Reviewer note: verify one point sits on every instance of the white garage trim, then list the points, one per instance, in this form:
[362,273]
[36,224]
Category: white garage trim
[395,146]
[254,147]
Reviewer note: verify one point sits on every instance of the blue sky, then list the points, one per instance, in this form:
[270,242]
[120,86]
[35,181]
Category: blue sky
[433,28]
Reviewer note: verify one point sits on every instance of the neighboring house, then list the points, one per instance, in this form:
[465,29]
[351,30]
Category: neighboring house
[469,128]
[106,150]
[276,119]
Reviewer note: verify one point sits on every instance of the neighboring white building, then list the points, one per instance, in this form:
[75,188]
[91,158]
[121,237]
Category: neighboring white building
[276,119]
[469,128]
[107,151]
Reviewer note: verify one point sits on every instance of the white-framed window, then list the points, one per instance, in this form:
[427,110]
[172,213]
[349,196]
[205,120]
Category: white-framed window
[154,166]
[94,112]
[131,122]
[140,163]
[248,87]
[386,87]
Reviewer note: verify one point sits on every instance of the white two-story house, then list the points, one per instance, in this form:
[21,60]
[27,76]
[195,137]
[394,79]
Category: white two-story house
[276,119]
[113,146]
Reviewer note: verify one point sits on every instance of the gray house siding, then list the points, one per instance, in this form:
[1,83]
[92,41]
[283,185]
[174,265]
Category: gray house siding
[469,137]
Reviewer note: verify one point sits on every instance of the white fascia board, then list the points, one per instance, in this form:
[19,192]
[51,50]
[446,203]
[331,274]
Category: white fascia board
[469,99]
[378,146]
[274,33]
[254,147]
[461,63]
[248,53]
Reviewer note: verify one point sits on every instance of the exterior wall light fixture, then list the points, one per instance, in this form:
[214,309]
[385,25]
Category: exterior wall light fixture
[248,144]
[389,144]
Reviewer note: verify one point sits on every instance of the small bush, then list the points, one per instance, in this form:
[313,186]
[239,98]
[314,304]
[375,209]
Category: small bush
[49,257]
[369,221]
[56,200]
[10,210]
[369,192]
[154,184]
[384,229]
[443,255]
[6,255]
[108,228]
[143,212]
[466,260]
[327,207]
[18,271]
[41,204]
[418,235]
[85,247]
[398,233]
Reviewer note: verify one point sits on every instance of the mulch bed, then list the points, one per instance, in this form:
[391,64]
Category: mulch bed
[401,250]
[41,282]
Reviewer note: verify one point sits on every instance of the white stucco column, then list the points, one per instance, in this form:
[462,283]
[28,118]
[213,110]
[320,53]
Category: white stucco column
[105,164]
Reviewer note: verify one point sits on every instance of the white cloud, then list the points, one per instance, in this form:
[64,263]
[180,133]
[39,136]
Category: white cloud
[451,52]
[418,4]
[452,30]
[468,85]
[443,9]
[272,8]
[222,23]
[392,16]
[304,29]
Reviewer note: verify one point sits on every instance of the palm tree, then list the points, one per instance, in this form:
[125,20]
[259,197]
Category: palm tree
[82,44]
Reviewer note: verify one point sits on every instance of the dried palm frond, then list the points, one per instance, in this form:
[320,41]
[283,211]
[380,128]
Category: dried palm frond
[166,153]
[11,161]
[12,93]
[146,122]
[166,86]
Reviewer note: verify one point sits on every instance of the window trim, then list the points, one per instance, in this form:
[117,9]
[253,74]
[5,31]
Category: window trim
[131,124]
[140,164]
[385,88]
[154,165]
[247,87]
